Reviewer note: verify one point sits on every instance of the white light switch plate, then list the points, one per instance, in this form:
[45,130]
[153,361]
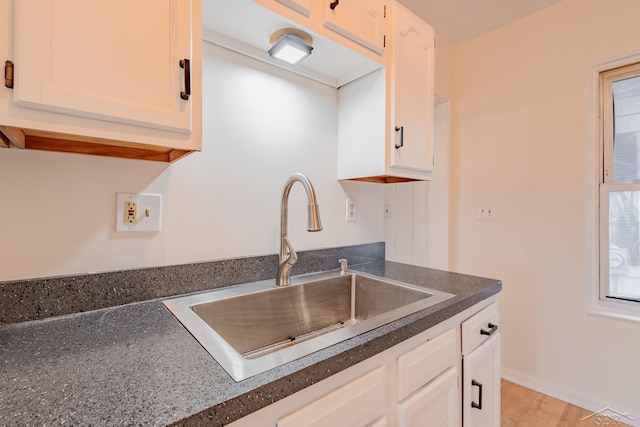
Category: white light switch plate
[148,212]
[486,211]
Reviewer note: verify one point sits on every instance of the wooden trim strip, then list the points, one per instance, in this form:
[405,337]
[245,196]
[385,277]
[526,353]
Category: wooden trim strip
[4,141]
[13,135]
[68,146]
[384,179]
[66,143]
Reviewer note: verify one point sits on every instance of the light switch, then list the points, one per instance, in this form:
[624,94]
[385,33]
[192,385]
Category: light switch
[486,211]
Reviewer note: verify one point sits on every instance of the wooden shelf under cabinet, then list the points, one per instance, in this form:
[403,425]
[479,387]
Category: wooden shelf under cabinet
[384,179]
[60,142]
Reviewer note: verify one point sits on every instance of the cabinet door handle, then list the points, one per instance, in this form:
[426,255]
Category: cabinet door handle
[401,130]
[186,64]
[333,4]
[8,74]
[479,385]
[492,329]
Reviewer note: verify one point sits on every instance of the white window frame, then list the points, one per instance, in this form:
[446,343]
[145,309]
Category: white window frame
[602,138]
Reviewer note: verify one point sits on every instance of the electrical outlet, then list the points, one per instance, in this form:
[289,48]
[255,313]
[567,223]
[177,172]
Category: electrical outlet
[352,214]
[138,212]
[130,212]
[486,211]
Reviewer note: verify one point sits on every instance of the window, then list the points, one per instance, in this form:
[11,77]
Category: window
[620,188]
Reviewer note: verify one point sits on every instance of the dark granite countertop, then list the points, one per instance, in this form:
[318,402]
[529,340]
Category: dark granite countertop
[135,364]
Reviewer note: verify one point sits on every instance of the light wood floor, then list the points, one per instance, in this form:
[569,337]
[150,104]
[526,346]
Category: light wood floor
[521,406]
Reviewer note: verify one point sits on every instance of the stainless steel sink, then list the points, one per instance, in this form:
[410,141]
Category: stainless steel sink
[251,328]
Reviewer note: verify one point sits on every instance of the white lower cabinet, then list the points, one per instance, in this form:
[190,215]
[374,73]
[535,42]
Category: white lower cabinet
[427,392]
[425,362]
[434,405]
[428,384]
[413,384]
[481,369]
[358,403]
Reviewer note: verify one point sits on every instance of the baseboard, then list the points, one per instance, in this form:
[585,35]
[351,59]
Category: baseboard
[586,403]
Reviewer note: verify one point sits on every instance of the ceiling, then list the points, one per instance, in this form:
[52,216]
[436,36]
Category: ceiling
[462,20]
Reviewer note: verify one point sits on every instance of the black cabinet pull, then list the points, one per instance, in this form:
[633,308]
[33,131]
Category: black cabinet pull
[185,63]
[492,329]
[479,385]
[333,4]
[401,130]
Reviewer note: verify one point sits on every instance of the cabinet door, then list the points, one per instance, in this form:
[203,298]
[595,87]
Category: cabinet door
[411,91]
[359,403]
[425,362]
[481,385]
[301,6]
[359,20]
[434,405]
[113,60]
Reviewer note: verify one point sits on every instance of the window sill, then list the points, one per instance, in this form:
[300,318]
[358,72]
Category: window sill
[618,310]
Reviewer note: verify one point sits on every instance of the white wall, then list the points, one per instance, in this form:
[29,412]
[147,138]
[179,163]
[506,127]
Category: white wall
[522,141]
[261,124]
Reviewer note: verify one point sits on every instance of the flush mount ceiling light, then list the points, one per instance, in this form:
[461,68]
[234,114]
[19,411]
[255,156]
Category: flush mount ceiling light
[290,45]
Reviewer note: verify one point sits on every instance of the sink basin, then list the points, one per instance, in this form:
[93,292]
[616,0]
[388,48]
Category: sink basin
[251,328]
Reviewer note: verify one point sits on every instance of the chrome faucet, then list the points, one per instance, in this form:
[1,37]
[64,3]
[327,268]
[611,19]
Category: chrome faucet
[288,256]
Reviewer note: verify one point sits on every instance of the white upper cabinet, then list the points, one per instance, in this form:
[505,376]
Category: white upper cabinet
[251,27]
[386,117]
[114,60]
[362,21]
[119,67]
[379,56]
[301,6]
[357,25]
[411,92]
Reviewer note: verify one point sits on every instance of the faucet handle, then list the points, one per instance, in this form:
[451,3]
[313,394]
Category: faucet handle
[343,266]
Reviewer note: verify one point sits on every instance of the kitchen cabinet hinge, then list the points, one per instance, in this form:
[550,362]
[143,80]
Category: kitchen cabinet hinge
[8,74]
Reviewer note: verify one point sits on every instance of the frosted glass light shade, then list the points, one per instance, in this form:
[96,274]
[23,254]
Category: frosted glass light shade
[291,49]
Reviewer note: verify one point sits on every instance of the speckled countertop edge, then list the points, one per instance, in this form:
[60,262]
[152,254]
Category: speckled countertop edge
[136,365]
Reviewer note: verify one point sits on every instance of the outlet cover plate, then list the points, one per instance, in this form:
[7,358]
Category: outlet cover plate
[352,212]
[148,212]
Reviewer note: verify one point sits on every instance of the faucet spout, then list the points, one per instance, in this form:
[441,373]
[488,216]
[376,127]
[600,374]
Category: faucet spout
[288,256]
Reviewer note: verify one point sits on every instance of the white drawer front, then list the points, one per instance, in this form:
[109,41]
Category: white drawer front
[358,403]
[434,405]
[422,364]
[478,328]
